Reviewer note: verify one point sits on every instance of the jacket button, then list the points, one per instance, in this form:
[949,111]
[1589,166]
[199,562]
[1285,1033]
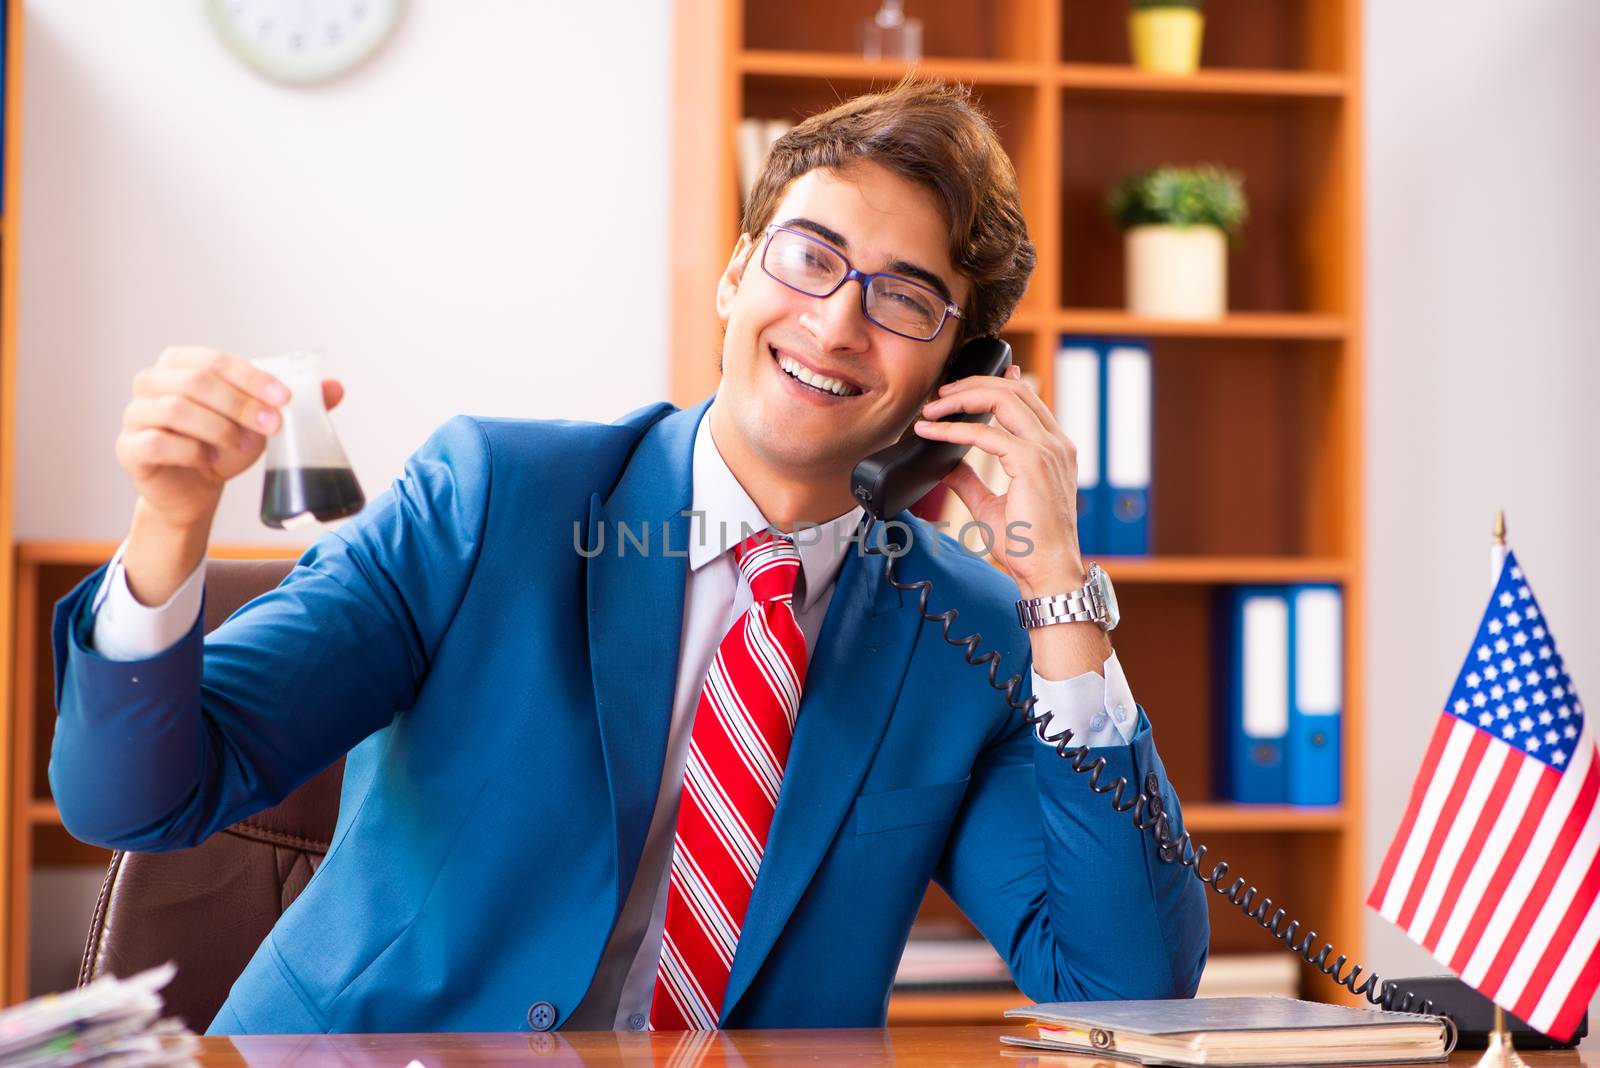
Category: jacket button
[541,1016]
[1152,784]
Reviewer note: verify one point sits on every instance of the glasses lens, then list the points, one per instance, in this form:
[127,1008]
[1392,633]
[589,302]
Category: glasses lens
[806,265]
[905,307]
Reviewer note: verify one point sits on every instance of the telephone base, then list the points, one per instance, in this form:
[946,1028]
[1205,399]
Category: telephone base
[1474,1014]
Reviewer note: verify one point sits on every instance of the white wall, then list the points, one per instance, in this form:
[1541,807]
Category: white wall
[1484,353]
[473,222]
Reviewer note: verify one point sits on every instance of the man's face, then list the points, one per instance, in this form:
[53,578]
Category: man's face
[880,222]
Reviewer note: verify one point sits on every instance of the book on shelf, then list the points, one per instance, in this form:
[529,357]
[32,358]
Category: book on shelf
[754,138]
[967,963]
[1235,1031]
[1280,667]
[1103,398]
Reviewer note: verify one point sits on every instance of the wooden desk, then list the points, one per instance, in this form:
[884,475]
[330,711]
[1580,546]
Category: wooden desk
[921,1046]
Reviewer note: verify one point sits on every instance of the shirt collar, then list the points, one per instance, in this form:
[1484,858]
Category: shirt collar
[724,514]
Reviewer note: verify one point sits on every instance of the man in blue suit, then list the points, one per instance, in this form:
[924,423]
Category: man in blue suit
[511,645]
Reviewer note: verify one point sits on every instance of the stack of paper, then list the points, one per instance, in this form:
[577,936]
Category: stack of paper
[109,1022]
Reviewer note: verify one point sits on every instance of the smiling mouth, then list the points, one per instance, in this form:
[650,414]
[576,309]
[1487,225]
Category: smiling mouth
[810,379]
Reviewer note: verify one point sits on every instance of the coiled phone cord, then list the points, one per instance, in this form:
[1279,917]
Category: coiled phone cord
[1148,815]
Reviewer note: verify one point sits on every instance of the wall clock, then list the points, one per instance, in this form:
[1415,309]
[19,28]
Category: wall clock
[303,41]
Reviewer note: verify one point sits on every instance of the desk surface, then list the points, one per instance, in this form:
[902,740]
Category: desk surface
[922,1046]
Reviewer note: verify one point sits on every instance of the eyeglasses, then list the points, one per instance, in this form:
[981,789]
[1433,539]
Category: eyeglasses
[815,268]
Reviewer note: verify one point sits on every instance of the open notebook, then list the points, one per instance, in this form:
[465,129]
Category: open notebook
[1236,1031]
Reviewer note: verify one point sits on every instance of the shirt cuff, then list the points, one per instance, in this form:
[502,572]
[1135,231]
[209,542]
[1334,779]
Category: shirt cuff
[124,629]
[1100,711]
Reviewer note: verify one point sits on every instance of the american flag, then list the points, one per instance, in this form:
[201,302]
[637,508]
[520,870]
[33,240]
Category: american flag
[1496,866]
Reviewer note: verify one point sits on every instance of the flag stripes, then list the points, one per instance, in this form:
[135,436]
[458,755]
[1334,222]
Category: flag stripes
[1495,868]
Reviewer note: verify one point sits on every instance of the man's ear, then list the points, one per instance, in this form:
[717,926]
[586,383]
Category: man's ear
[728,284]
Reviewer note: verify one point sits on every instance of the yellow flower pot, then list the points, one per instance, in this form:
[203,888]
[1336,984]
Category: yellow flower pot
[1166,40]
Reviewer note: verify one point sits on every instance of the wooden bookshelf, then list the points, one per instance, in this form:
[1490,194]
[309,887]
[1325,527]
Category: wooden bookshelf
[10,230]
[1257,416]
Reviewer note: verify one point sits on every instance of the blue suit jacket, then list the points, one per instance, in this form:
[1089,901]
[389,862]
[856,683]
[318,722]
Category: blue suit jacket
[504,701]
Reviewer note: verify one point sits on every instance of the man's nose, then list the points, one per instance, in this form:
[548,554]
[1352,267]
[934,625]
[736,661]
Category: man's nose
[837,321]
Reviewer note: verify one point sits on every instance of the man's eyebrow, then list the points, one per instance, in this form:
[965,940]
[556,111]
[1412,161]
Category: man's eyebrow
[902,267]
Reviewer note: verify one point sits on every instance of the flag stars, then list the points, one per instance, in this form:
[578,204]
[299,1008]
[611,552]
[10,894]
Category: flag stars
[1478,700]
[1523,594]
[1569,731]
[1485,718]
[1540,697]
[1525,723]
[1483,652]
[1508,664]
[1558,691]
[1495,626]
[1503,711]
[1461,707]
[1532,744]
[1531,678]
[1522,706]
[1558,757]
[1532,612]
[1491,672]
[1508,732]
[1516,572]
[1513,684]
[1506,599]
[1544,652]
[1551,672]
[1564,712]
[1519,639]
[1545,718]
[1513,618]
[1474,679]
[1552,737]
[1498,692]
[1501,645]
[1526,658]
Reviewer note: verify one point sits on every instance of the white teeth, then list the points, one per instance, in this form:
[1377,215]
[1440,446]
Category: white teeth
[811,378]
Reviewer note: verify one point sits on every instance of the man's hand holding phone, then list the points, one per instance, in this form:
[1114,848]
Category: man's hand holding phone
[1040,504]
[198,418]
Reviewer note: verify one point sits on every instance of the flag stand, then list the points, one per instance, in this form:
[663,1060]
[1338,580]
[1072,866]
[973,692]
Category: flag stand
[1499,1053]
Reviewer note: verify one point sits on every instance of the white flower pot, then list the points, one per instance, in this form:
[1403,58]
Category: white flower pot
[1177,272]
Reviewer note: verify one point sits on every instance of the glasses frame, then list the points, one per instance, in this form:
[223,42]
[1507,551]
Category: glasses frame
[951,310]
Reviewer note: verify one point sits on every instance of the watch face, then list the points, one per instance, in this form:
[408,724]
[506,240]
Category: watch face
[1108,597]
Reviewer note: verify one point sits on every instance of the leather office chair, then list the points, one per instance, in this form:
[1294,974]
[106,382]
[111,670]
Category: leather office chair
[209,907]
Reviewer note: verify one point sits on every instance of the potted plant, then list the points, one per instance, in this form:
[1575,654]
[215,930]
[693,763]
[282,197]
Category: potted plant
[1166,35]
[1177,222]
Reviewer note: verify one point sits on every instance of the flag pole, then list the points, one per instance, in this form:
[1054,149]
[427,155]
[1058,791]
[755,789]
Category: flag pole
[1500,1053]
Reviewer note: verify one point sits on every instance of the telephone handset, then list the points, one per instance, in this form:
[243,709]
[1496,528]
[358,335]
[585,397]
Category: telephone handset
[892,479]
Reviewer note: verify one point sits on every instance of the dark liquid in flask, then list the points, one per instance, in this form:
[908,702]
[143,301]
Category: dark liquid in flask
[328,493]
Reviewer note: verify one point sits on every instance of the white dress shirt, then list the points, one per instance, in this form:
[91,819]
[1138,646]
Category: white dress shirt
[1101,711]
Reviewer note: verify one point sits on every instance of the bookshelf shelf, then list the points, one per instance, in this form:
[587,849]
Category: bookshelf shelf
[1216,570]
[1203,816]
[1239,326]
[1265,84]
[849,68]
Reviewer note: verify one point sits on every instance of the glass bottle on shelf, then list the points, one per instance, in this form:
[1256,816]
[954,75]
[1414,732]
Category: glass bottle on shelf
[890,35]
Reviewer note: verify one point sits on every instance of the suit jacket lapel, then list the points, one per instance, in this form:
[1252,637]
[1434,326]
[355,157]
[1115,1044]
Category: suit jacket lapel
[850,689]
[635,620]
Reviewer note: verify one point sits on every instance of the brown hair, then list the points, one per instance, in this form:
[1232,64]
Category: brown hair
[934,135]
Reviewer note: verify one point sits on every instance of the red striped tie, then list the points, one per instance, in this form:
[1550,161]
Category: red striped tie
[737,751]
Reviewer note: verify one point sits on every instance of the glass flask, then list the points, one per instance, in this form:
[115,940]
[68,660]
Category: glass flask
[308,478]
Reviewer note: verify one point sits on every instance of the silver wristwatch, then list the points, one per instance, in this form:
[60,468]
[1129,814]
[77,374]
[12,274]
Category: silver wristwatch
[1095,603]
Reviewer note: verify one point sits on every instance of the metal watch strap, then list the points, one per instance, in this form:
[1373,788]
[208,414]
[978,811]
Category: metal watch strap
[1075,607]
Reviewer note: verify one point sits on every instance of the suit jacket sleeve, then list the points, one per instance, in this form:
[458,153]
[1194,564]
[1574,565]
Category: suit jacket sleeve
[1066,889]
[160,753]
